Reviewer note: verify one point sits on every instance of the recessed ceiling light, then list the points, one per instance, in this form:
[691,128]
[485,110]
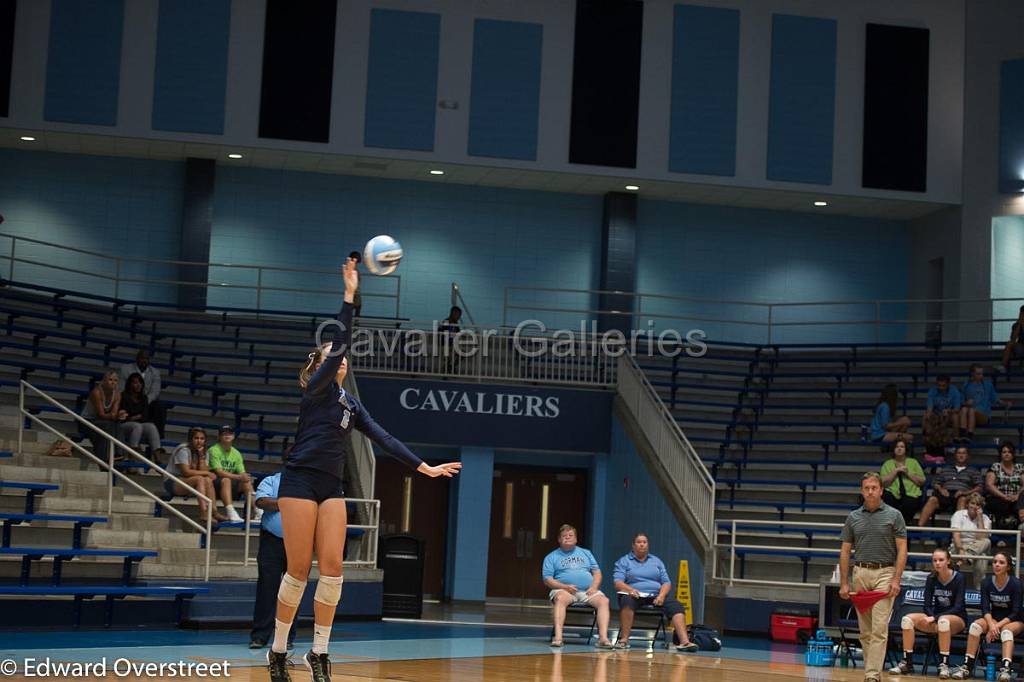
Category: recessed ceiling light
[27,138]
[437,172]
[632,188]
[821,203]
[234,156]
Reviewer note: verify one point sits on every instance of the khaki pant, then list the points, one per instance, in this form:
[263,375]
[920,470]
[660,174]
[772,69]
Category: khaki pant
[874,625]
[979,546]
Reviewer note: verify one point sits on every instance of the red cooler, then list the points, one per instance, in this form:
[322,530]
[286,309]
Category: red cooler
[793,625]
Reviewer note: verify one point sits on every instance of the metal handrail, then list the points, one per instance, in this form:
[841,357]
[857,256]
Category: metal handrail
[733,546]
[769,312]
[111,470]
[457,299]
[693,483]
[117,278]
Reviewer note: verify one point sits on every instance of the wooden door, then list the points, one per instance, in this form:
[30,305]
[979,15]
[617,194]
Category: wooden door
[528,504]
[416,505]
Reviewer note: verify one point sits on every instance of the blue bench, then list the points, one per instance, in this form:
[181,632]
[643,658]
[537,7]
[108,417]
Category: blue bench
[32,490]
[80,521]
[6,453]
[780,507]
[110,592]
[804,555]
[735,483]
[30,554]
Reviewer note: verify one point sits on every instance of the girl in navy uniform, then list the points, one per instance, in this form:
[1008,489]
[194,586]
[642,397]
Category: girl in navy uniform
[310,497]
[945,613]
[1001,621]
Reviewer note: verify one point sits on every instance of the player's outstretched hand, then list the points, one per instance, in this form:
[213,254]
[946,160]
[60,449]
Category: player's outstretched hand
[447,470]
[351,275]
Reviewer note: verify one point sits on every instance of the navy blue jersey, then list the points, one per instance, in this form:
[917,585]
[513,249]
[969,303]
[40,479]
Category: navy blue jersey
[1004,603]
[327,414]
[945,599]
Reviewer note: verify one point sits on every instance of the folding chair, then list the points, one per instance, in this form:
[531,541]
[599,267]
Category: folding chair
[583,611]
[655,615]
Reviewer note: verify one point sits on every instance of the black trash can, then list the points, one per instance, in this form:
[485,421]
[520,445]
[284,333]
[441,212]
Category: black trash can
[401,558]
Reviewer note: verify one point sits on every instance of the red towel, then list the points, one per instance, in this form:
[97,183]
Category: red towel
[863,601]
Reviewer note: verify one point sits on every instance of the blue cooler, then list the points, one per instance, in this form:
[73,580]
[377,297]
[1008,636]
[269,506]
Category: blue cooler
[820,652]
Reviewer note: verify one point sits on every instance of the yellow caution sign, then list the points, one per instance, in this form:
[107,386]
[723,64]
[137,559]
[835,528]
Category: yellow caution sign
[683,589]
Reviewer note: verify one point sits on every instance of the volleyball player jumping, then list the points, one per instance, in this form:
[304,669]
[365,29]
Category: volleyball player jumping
[310,497]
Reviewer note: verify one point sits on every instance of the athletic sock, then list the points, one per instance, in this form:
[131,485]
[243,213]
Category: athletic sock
[944,658]
[321,636]
[281,630]
[908,657]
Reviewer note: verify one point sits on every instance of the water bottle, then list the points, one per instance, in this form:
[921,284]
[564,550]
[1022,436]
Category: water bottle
[990,667]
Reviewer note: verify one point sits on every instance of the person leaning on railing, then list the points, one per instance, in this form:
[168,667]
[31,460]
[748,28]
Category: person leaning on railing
[102,410]
[188,462]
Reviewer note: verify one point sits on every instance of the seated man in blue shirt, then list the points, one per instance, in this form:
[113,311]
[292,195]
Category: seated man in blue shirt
[641,580]
[573,576]
[271,561]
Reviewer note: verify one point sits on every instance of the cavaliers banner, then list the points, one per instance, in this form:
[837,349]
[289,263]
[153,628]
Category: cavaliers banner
[487,415]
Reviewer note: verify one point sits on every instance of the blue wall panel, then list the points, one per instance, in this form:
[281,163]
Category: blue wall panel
[505,97]
[115,206]
[1011,126]
[802,106]
[705,75]
[739,254]
[191,66]
[483,238]
[83,66]
[401,84]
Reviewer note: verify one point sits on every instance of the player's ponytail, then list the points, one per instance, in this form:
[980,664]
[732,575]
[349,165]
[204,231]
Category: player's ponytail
[313,361]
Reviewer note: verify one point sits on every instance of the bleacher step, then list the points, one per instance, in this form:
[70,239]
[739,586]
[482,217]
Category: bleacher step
[11,472]
[163,571]
[138,522]
[138,539]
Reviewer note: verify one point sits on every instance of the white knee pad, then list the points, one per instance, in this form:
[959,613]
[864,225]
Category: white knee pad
[906,623]
[1005,636]
[328,589]
[290,592]
[943,625]
[976,630]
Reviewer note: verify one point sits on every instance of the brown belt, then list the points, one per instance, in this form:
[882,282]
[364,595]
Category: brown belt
[871,564]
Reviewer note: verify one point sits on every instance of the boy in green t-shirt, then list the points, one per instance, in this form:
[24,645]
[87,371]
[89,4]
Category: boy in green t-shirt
[226,462]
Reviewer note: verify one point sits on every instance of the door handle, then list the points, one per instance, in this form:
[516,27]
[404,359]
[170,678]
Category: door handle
[520,541]
[529,544]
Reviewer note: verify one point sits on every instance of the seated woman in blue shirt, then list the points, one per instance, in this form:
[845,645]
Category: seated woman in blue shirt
[886,425]
[945,613]
[641,580]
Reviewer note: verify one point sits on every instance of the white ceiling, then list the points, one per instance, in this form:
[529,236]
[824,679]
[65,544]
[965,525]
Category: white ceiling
[404,169]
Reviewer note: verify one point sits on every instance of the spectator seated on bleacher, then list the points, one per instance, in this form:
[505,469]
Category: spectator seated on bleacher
[944,614]
[940,419]
[1014,349]
[902,480]
[952,486]
[151,380]
[188,462]
[102,409]
[1003,483]
[232,481]
[1000,621]
[979,397]
[969,537]
[136,422]
[886,425]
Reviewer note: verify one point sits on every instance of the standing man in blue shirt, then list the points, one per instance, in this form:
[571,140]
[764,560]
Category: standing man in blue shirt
[573,576]
[272,562]
[641,580]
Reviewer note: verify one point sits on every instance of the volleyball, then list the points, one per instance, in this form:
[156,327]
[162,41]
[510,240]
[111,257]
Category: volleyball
[382,255]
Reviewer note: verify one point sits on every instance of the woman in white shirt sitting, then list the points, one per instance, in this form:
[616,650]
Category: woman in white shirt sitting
[968,538]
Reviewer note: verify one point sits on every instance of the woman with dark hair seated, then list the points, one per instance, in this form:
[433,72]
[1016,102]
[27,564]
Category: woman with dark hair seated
[902,479]
[1002,488]
[136,421]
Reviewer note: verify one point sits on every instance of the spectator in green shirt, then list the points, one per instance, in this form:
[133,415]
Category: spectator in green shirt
[902,479]
[232,481]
